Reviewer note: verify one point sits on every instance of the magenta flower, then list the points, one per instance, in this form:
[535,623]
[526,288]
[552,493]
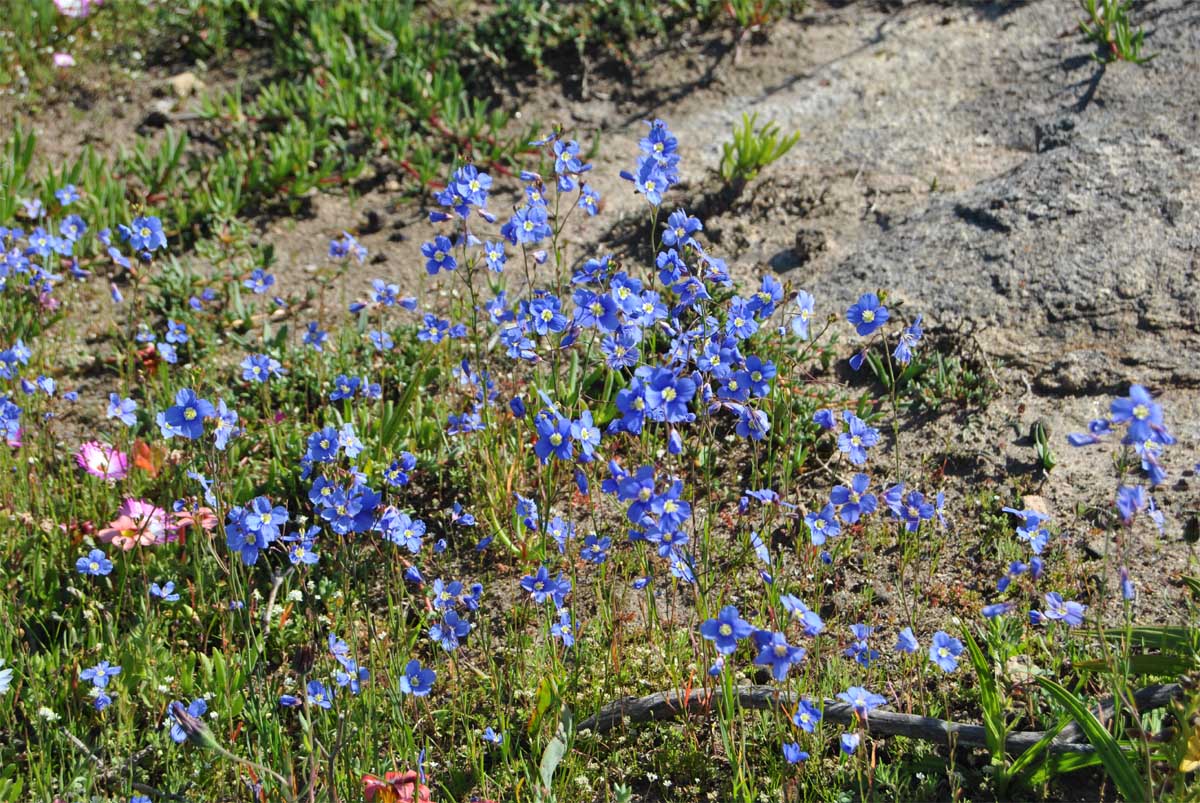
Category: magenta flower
[103,461]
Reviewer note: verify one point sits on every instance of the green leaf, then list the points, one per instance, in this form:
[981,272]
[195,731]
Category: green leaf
[1145,664]
[1059,764]
[1176,639]
[989,699]
[556,749]
[1118,766]
[1026,759]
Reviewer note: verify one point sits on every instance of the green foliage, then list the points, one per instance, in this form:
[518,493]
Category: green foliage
[1108,25]
[1116,763]
[752,149]
[1041,445]
[756,14]
[994,724]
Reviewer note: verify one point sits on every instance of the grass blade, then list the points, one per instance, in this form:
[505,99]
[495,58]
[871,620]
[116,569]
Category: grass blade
[1120,769]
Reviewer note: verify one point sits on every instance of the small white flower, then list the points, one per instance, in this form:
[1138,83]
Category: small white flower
[5,677]
[47,714]
[295,595]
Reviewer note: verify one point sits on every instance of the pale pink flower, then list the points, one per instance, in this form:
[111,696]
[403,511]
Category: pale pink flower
[138,522]
[76,9]
[103,461]
[63,60]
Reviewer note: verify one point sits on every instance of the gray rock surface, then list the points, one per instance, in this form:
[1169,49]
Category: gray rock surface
[1083,260]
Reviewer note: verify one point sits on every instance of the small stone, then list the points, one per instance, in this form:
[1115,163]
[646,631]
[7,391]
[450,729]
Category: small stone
[186,84]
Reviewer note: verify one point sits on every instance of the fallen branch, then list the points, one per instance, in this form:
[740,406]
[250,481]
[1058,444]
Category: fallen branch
[669,705]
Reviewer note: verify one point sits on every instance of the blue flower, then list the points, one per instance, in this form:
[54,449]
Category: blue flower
[100,674]
[679,229]
[907,341]
[176,332]
[186,417]
[346,246]
[197,708]
[1142,415]
[302,554]
[260,368]
[854,501]
[72,227]
[668,395]
[862,700]
[471,185]
[415,680]
[804,312]
[859,650]
[438,255]
[450,631]
[793,753]
[824,418]
[1069,612]
[318,695]
[867,314]
[726,630]
[741,322]
[402,530]
[94,564]
[809,620]
[314,336]
[587,434]
[344,387]
[352,676]
[492,736]
[651,181]
[589,200]
[528,225]
[67,195]
[495,256]
[944,651]
[397,473]
[595,549]
[122,409]
[554,437]
[620,351]
[165,592]
[563,629]
[915,510]
[849,743]
[822,525]
[323,445]
[1131,500]
[775,652]
[263,518]
[907,642]
[146,234]
[807,716]
[857,439]
[539,585]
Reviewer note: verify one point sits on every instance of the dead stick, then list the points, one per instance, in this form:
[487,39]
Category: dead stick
[669,705]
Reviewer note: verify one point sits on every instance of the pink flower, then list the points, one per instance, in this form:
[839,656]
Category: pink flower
[63,60]
[201,517]
[103,461]
[76,9]
[138,522]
